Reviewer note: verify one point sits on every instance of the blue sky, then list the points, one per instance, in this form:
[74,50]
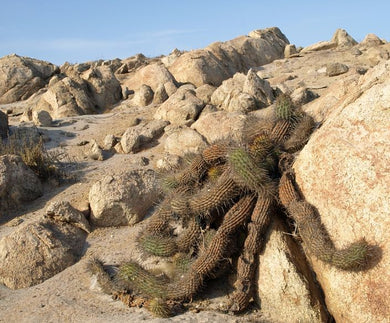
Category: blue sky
[82,30]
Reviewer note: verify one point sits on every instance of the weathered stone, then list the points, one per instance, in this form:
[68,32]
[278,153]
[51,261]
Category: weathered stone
[123,199]
[259,89]
[160,95]
[67,97]
[152,75]
[290,50]
[286,288]
[135,138]
[204,92]
[220,61]
[143,96]
[3,125]
[220,125]
[95,152]
[106,89]
[109,142]
[344,172]
[243,93]
[343,39]
[18,183]
[62,211]
[236,83]
[371,40]
[22,76]
[183,107]
[340,39]
[184,141]
[335,69]
[42,118]
[37,251]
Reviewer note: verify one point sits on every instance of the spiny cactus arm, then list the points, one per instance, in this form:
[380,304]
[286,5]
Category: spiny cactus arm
[246,265]
[108,286]
[202,203]
[317,240]
[288,193]
[190,236]
[247,173]
[300,134]
[216,153]
[208,260]
[157,245]
[159,220]
[142,280]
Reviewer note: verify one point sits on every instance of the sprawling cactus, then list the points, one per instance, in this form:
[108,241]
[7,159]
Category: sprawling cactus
[224,189]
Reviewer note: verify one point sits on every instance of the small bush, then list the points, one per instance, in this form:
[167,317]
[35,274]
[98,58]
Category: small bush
[44,163]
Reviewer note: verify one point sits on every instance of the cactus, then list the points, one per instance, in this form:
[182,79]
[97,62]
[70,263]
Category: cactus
[157,245]
[159,308]
[318,242]
[247,173]
[141,280]
[223,201]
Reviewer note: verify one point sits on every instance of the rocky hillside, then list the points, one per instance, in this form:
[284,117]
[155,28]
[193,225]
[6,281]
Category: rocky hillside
[85,147]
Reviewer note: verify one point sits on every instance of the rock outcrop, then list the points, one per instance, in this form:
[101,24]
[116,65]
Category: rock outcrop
[344,172]
[182,107]
[123,199]
[21,77]
[220,61]
[18,183]
[39,250]
[92,91]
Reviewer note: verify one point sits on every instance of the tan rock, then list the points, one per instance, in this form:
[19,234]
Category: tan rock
[220,125]
[135,138]
[334,69]
[18,183]
[143,96]
[183,107]
[184,141]
[152,75]
[42,118]
[285,285]
[160,95]
[204,92]
[220,61]
[123,199]
[22,76]
[344,172]
[290,50]
[37,251]
[340,39]
[106,89]
[371,40]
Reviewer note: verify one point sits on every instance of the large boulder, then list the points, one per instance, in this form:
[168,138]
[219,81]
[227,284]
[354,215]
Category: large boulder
[18,183]
[104,86]
[135,138]
[184,141]
[182,107]
[220,125]
[66,97]
[344,172]
[286,289]
[123,199]
[74,94]
[341,39]
[21,77]
[152,75]
[243,93]
[3,125]
[39,250]
[222,60]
